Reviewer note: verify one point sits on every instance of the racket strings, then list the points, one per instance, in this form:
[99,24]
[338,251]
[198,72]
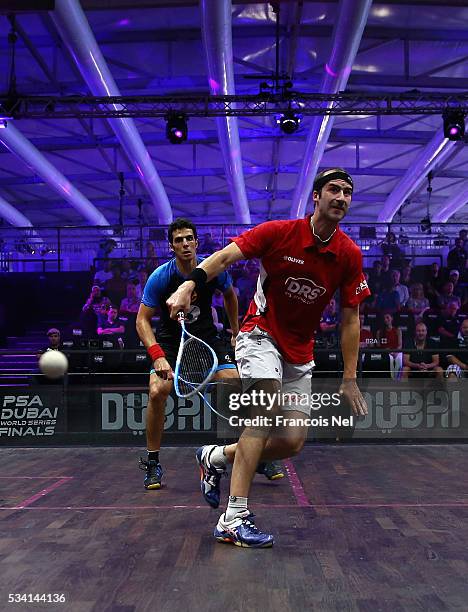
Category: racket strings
[196,365]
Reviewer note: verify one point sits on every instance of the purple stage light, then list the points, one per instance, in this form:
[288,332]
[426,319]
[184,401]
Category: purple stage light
[454,124]
[176,128]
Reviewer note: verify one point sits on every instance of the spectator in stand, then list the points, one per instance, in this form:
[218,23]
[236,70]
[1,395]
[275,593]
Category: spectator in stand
[446,296]
[366,337]
[421,357]
[125,269]
[116,287]
[390,337]
[447,322]
[376,279]
[142,278]
[90,311]
[458,360]
[246,284]
[463,235]
[112,326]
[54,344]
[406,274]
[418,302]
[151,261]
[103,312]
[388,300]
[391,249]
[131,303]
[456,258]
[386,272]
[402,290]
[133,272]
[106,247]
[329,325]
[54,341]
[458,290]
[432,284]
[94,300]
[208,244]
[103,275]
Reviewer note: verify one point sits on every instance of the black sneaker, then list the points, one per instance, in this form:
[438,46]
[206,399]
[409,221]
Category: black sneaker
[273,470]
[154,473]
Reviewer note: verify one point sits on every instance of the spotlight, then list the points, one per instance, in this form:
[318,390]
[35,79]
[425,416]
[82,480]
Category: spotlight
[176,128]
[3,123]
[288,122]
[454,125]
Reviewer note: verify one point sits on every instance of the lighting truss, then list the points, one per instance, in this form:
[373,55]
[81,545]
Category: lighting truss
[77,107]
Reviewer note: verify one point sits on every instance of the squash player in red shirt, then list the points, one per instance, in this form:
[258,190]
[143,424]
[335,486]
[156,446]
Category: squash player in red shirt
[302,263]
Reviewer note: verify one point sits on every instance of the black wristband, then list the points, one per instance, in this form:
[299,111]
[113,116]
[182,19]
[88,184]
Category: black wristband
[199,277]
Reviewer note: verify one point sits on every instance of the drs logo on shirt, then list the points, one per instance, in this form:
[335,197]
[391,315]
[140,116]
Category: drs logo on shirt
[303,289]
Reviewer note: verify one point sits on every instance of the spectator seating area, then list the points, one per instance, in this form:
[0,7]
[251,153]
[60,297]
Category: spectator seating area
[97,310]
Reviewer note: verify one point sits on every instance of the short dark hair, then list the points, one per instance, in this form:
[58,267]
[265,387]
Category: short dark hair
[329,174]
[179,224]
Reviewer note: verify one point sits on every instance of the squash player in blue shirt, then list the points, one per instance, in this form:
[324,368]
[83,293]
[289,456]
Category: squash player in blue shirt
[183,242]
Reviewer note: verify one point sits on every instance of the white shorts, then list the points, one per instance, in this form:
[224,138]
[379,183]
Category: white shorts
[258,356]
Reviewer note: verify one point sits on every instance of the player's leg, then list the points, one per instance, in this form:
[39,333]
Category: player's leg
[288,437]
[159,390]
[260,367]
[211,458]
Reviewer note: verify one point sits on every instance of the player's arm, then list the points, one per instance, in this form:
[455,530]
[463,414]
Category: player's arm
[231,307]
[350,332]
[146,335]
[206,271]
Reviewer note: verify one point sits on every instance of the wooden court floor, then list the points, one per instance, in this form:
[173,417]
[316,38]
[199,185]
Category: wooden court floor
[363,528]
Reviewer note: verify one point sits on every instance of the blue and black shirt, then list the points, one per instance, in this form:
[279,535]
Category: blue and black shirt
[163,282]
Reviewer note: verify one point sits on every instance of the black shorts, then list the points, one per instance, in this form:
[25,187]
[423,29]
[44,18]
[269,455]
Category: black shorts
[224,354]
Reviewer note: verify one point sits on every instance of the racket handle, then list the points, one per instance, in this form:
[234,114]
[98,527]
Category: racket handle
[181,316]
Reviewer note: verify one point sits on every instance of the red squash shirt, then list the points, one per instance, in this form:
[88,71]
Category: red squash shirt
[297,280]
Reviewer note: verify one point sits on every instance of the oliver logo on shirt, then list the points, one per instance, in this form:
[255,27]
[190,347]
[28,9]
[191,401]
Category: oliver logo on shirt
[303,289]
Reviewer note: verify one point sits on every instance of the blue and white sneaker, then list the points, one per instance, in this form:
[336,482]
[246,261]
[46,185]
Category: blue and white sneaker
[241,531]
[210,476]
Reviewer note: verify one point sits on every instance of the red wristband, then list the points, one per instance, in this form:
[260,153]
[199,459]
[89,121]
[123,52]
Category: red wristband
[155,352]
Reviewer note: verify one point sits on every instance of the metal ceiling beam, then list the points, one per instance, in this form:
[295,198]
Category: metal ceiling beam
[452,205]
[372,198]
[404,137]
[267,30]
[309,83]
[246,105]
[20,146]
[275,167]
[12,215]
[173,4]
[74,29]
[347,34]
[217,39]
[432,156]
